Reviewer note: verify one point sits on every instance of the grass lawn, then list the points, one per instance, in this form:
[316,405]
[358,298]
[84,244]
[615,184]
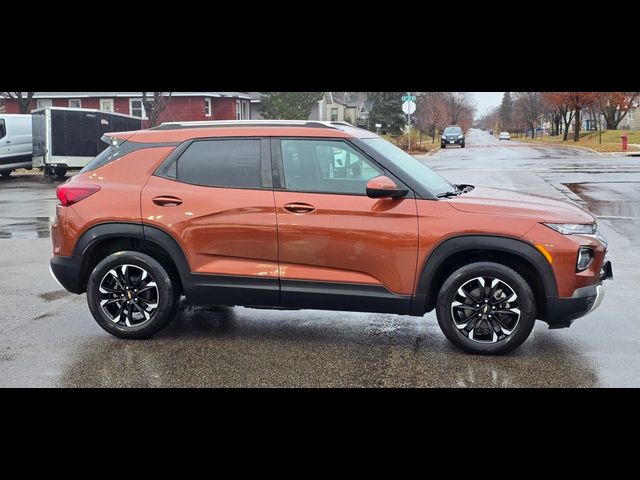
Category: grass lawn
[417,147]
[611,141]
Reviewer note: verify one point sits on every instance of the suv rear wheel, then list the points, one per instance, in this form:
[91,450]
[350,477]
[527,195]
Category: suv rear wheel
[131,295]
[486,308]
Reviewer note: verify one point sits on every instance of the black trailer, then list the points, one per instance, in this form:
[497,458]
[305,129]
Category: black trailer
[67,138]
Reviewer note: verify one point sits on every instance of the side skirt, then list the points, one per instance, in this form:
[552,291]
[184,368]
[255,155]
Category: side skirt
[342,296]
[293,294]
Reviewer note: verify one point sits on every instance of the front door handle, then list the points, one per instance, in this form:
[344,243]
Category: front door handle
[8,142]
[299,207]
[167,201]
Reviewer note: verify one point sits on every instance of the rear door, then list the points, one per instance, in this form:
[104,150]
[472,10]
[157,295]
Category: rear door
[215,198]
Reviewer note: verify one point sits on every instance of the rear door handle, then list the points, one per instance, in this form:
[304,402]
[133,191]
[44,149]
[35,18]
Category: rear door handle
[8,142]
[167,201]
[299,207]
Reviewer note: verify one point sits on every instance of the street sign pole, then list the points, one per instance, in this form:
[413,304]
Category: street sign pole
[409,107]
[409,117]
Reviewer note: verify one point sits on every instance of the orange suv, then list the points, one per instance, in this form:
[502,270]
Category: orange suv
[315,215]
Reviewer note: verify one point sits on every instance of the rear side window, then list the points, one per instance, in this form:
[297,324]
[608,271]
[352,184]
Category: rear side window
[219,163]
[3,129]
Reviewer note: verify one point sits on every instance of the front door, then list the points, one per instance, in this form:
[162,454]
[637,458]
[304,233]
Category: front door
[338,248]
[216,200]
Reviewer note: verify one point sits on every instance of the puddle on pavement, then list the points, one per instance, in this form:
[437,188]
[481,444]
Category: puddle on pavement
[25,227]
[56,295]
[618,203]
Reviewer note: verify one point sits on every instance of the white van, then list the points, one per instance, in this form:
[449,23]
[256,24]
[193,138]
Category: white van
[16,145]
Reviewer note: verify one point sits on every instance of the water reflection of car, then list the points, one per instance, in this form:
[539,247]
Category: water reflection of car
[504,136]
[452,135]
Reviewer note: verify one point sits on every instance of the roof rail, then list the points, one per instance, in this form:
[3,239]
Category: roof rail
[247,123]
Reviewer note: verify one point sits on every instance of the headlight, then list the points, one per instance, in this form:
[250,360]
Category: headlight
[585,257]
[573,228]
[460,136]
[443,137]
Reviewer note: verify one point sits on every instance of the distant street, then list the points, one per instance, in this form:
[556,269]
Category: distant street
[48,337]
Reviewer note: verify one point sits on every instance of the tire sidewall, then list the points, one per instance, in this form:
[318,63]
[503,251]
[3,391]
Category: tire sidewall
[489,269]
[167,298]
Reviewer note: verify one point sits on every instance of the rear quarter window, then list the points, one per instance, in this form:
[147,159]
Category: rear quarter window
[110,154]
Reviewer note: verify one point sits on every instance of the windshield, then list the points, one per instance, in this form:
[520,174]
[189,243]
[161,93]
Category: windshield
[452,131]
[418,170]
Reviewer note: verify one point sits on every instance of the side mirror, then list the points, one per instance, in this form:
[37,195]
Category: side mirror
[384,187]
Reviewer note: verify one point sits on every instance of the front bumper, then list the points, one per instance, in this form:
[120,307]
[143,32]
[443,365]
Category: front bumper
[561,312]
[66,271]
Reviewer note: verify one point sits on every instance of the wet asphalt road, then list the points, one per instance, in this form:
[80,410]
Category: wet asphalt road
[48,337]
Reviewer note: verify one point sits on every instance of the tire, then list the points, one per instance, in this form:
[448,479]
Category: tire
[462,145]
[5,173]
[487,339]
[442,145]
[60,172]
[165,295]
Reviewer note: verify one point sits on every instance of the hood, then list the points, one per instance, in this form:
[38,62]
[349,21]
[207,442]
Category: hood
[496,201]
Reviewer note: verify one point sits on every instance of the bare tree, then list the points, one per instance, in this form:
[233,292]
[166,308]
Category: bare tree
[430,113]
[460,108]
[528,106]
[23,99]
[154,105]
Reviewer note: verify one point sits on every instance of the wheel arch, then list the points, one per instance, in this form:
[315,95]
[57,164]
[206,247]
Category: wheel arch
[105,238]
[454,252]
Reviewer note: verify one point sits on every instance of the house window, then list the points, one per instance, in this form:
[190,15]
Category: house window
[136,108]
[207,107]
[75,103]
[238,110]
[334,114]
[106,104]
[45,103]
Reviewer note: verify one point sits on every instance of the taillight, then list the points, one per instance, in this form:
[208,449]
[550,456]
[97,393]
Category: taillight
[70,193]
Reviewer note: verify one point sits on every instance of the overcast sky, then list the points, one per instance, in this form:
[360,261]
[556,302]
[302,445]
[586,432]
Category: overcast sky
[486,101]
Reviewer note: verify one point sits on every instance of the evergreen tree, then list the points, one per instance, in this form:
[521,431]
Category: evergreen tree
[288,105]
[386,109]
[506,110]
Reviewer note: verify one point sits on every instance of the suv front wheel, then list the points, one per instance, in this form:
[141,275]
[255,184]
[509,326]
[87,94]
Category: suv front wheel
[131,295]
[486,308]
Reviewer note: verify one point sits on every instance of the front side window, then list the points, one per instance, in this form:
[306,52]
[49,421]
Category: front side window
[326,166]
[3,129]
[414,168]
[219,163]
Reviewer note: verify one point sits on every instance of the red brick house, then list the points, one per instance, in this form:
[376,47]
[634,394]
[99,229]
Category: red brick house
[184,106]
